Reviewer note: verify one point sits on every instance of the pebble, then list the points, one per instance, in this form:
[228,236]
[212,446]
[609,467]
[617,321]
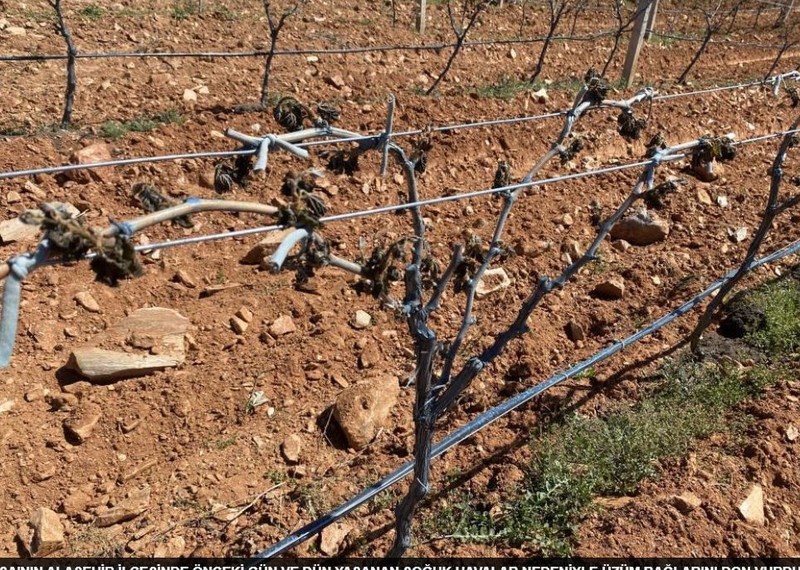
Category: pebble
[62,401]
[792,433]
[362,319]
[611,289]
[641,228]
[85,300]
[363,408]
[332,537]
[44,533]
[703,196]
[738,235]
[491,281]
[81,424]
[290,448]
[575,332]
[335,80]
[752,508]
[686,502]
[238,325]
[184,278]
[129,508]
[245,314]
[189,96]
[283,325]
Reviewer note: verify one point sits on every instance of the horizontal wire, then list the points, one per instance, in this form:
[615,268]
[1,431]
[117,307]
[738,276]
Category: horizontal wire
[714,42]
[295,52]
[442,128]
[439,199]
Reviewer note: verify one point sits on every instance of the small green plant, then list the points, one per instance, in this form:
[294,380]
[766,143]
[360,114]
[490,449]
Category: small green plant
[12,130]
[224,13]
[505,88]
[169,117]
[462,518]
[274,476]
[91,12]
[588,374]
[186,9]
[132,12]
[780,303]
[118,129]
[311,498]
[225,443]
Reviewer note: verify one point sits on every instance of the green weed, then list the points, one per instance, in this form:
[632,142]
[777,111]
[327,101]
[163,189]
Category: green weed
[118,129]
[91,12]
[780,302]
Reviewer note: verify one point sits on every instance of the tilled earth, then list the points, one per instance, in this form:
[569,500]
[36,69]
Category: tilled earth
[188,435]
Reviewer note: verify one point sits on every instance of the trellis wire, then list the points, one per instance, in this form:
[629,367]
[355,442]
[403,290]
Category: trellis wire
[295,52]
[428,202]
[437,200]
[774,80]
[490,416]
[714,42]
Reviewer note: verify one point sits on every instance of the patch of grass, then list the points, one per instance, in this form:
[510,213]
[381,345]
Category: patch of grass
[186,9]
[117,129]
[38,15]
[225,443]
[586,457]
[579,458]
[275,476]
[662,41]
[91,12]
[505,88]
[463,518]
[12,130]
[780,302]
[133,12]
[311,498]
[224,13]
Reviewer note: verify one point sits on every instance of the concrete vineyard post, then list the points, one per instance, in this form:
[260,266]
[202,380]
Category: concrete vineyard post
[637,38]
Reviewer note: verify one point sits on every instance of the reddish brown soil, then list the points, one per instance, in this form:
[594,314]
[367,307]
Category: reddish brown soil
[207,451]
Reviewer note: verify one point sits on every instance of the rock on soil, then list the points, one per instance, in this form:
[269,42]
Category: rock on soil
[686,502]
[97,152]
[575,332]
[44,533]
[75,503]
[156,336]
[261,252]
[611,289]
[492,280]
[15,229]
[291,447]
[282,325]
[173,548]
[362,320]
[81,423]
[332,537]
[131,507]
[87,301]
[641,228]
[752,508]
[364,407]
